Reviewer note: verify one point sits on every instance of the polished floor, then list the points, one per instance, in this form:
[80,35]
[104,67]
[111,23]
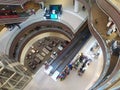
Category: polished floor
[41,81]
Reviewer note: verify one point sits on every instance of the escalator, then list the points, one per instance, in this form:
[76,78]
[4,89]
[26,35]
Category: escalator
[69,53]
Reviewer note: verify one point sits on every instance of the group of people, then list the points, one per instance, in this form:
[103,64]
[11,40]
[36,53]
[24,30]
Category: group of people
[81,59]
[84,60]
[84,66]
[65,72]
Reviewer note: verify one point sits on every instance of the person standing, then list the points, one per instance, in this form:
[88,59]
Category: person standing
[32,11]
[70,66]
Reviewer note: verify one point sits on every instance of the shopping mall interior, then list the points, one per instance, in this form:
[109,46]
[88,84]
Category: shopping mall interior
[59,45]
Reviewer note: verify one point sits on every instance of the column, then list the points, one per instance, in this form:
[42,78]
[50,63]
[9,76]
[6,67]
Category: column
[76,6]
[42,5]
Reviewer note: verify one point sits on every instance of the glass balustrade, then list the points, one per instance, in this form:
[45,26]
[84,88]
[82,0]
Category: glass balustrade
[12,75]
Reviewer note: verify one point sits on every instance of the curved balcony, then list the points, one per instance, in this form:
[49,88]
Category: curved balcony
[38,26]
[105,51]
[34,40]
[12,20]
[11,13]
[97,24]
[114,83]
[111,11]
[10,17]
[97,27]
[13,2]
[47,31]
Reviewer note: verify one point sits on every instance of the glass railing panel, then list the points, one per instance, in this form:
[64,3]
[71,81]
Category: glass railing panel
[11,78]
[115,4]
[111,82]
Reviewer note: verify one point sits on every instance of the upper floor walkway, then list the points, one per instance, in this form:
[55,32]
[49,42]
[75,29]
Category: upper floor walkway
[101,10]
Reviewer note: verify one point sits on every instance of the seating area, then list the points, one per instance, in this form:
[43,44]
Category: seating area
[44,51]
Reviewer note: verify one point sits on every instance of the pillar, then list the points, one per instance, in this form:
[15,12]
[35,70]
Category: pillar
[76,6]
[42,5]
